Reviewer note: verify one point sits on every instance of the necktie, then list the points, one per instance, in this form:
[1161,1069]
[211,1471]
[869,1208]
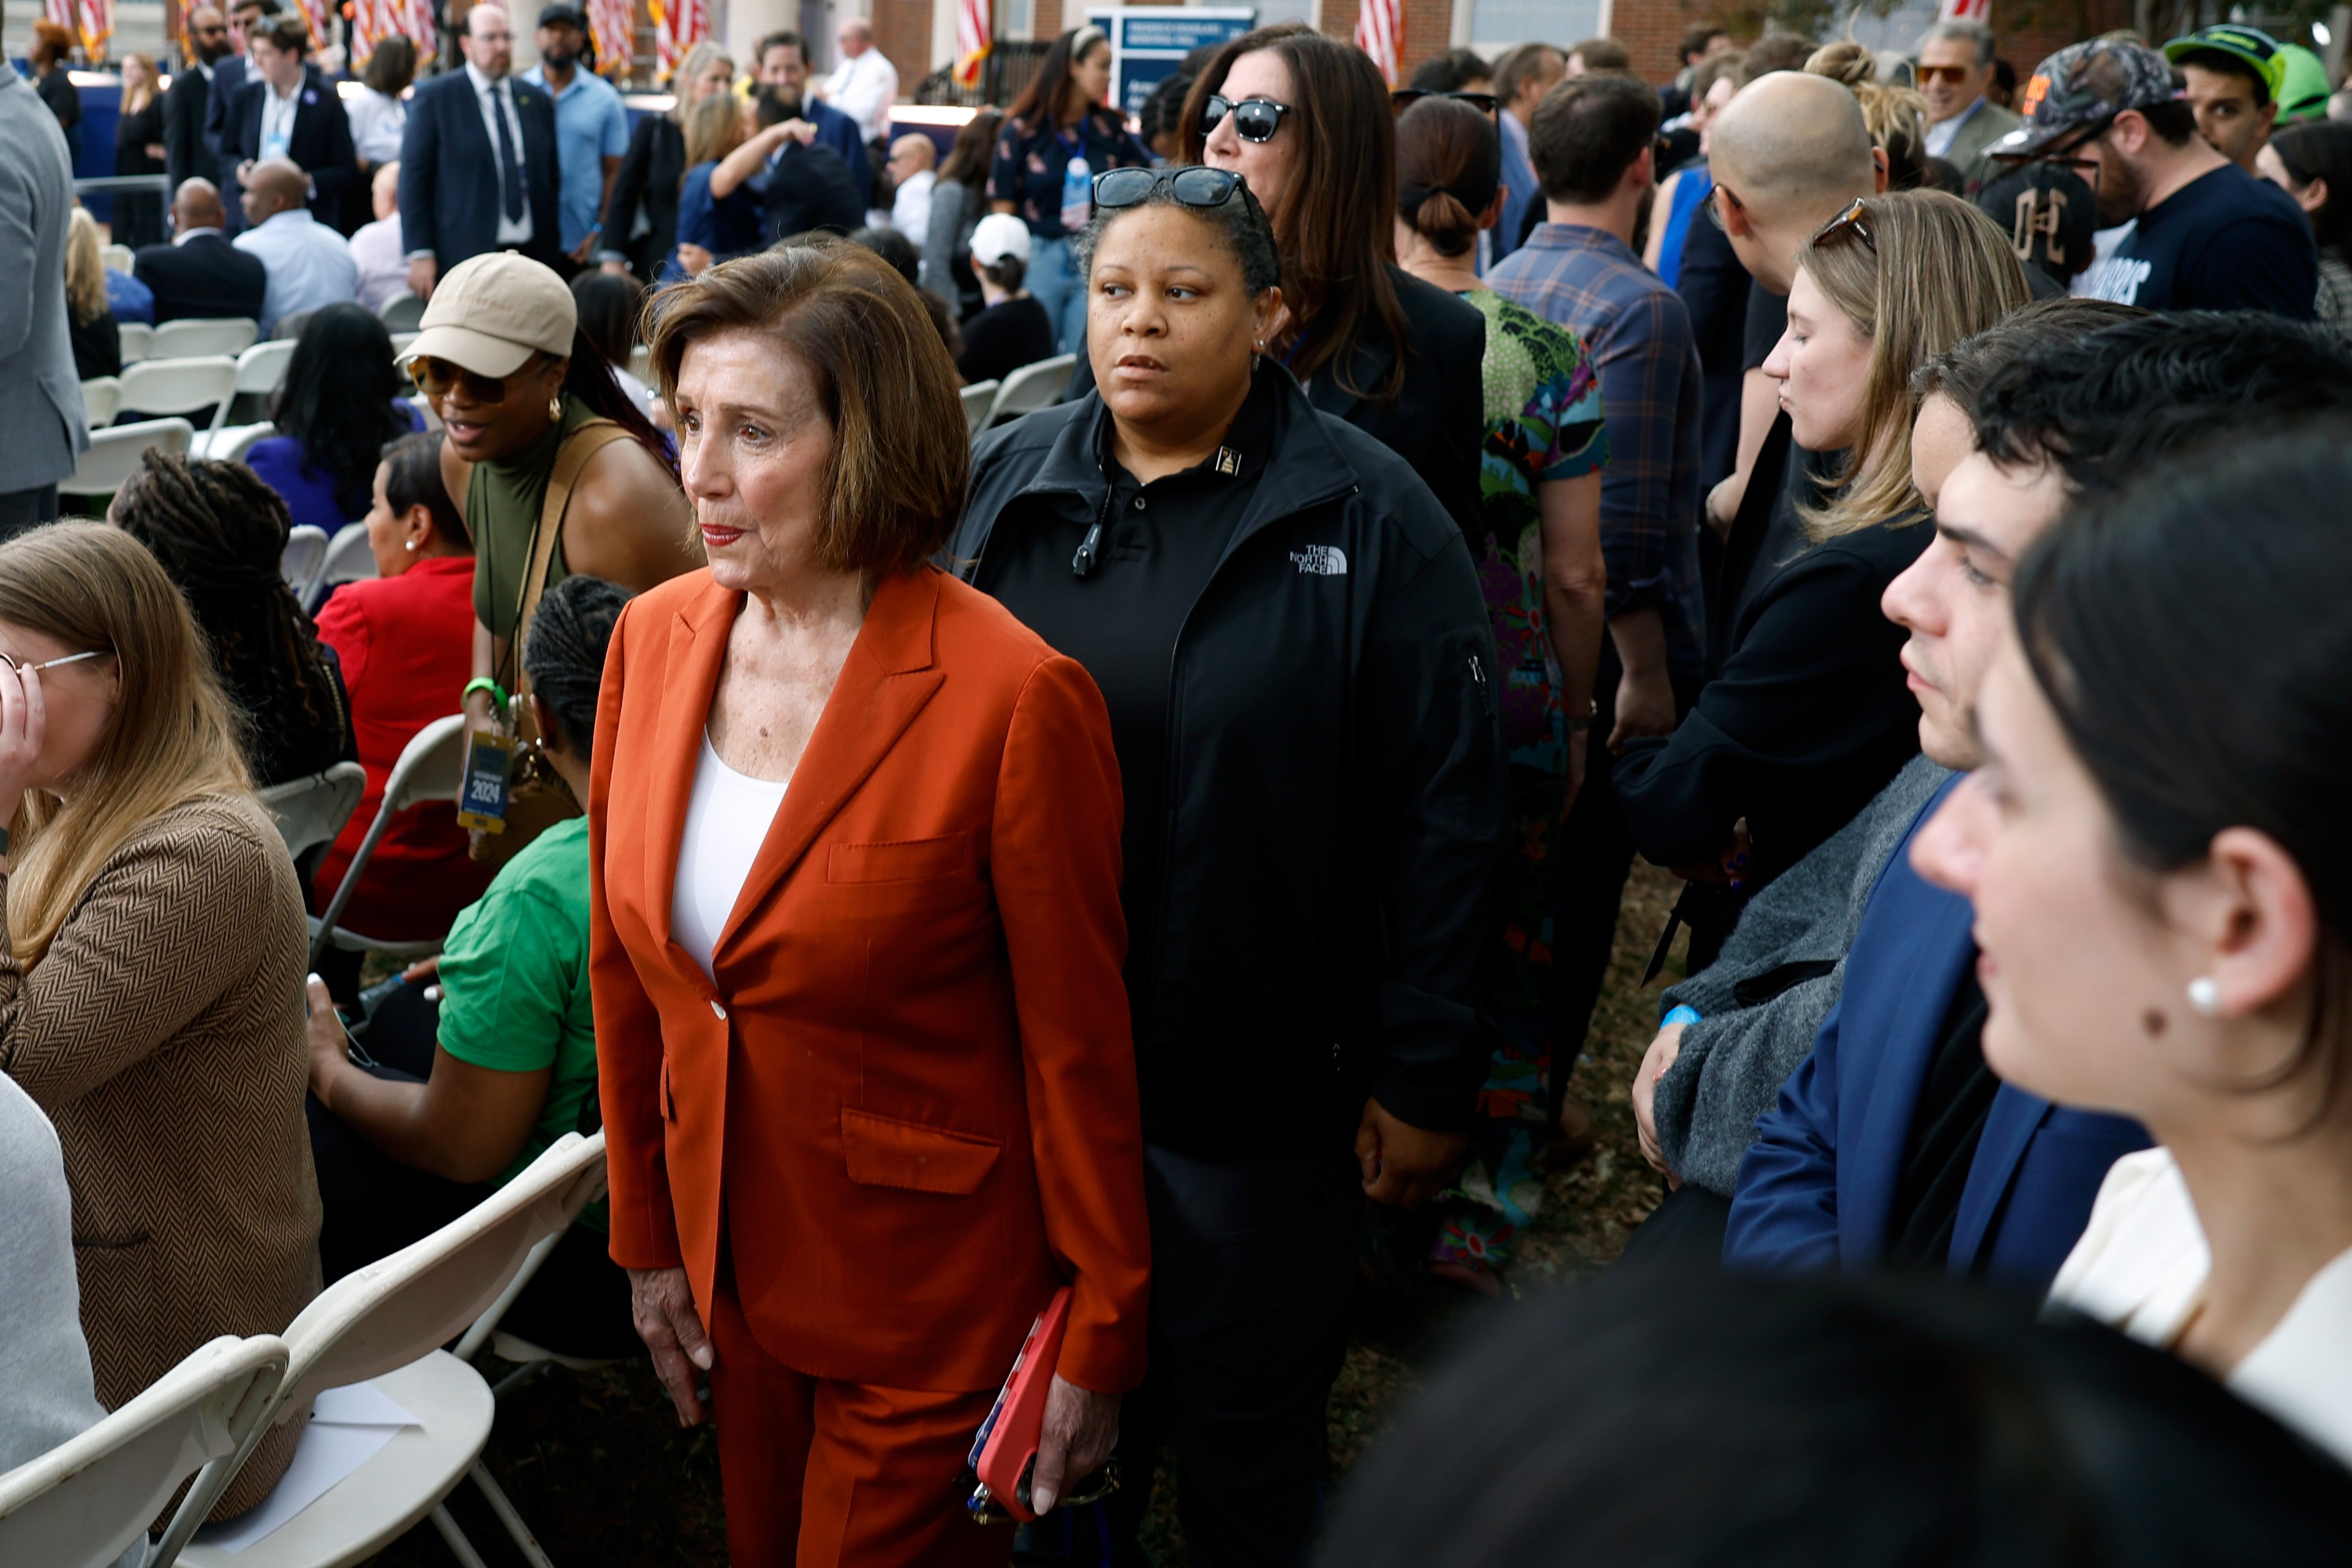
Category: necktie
[510,161]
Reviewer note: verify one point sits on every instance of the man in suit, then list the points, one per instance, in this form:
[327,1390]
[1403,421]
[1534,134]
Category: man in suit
[1893,1141]
[246,19]
[286,111]
[185,156]
[785,72]
[1955,67]
[803,185]
[478,163]
[200,274]
[40,396]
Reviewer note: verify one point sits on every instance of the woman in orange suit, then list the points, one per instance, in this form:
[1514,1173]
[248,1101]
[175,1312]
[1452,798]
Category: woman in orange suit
[865,1065]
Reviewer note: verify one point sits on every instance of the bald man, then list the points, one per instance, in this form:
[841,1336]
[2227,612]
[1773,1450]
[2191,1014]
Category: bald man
[309,265]
[200,274]
[864,85]
[1787,154]
[478,160]
[913,178]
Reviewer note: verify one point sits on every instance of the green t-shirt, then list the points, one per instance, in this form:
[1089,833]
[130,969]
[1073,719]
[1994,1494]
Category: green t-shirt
[514,983]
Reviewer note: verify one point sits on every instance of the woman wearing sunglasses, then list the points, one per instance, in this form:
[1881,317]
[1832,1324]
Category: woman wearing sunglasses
[2155,852]
[1059,135]
[150,983]
[1307,120]
[1303,695]
[567,474]
[1810,713]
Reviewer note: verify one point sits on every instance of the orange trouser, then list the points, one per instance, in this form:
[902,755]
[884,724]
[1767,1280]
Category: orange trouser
[822,1474]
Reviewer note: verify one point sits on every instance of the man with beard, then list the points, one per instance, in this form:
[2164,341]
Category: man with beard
[185,156]
[592,131]
[2205,234]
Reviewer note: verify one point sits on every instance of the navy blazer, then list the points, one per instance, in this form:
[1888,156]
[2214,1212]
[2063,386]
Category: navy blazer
[1818,1185]
[449,194]
[321,143]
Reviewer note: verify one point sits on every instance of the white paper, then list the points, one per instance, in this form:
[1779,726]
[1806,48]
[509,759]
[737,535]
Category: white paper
[348,1428]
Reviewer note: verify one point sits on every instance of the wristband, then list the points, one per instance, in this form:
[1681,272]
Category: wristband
[484,683]
[1680,1015]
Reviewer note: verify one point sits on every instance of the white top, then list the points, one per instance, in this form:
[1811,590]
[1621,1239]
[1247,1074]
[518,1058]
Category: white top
[278,119]
[377,121]
[911,210]
[726,822]
[864,88]
[2141,1266]
[309,264]
[1944,132]
[384,265]
[644,396]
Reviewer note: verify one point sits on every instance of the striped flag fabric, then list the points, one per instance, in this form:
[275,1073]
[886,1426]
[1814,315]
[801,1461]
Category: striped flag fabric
[1379,32]
[974,39]
[97,26]
[678,26]
[613,26]
[317,19]
[1966,11]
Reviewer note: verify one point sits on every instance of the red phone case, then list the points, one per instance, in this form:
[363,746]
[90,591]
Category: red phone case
[1008,1442]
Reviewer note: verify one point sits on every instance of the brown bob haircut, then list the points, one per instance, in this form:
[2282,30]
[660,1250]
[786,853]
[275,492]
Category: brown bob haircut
[900,458]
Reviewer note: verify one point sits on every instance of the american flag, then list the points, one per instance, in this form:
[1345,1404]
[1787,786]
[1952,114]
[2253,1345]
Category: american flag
[613,26]
[1379,32]
[318,18]
[678,26]
[974,42]
[374,21]
[90,21]
[1965,10]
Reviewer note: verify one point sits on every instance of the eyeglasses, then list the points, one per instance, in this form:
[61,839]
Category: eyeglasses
[1854,220]
[1255,119]
[13,662]
[1404,98]
[1955,75]
[438,378]
[1715,207]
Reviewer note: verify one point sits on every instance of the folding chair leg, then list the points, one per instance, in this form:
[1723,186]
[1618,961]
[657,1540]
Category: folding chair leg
[530,1371]
[523,1539]
[459,1547]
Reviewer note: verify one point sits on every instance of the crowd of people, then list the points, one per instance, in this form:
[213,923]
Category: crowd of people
[1169,847]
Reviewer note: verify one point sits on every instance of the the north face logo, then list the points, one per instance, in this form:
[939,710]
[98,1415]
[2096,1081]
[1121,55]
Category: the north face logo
[1321,560]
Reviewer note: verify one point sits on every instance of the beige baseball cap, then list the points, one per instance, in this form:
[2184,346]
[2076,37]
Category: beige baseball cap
[492,313]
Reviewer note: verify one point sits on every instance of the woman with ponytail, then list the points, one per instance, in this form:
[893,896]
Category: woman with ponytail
[151,982]
[1537,546]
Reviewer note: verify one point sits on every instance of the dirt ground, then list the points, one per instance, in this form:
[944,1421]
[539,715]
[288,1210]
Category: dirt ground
[597,1465]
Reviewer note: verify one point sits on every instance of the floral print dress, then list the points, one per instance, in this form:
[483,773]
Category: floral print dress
[1543,423]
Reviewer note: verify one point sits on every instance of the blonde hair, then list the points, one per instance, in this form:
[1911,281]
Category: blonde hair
[1896,116]
[1937,272]
[172,739]
[714,128]
[697,60]
[84,274]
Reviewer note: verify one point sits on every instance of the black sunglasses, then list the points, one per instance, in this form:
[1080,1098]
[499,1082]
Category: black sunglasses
[1191,185]
[1255,119]
[1404,98]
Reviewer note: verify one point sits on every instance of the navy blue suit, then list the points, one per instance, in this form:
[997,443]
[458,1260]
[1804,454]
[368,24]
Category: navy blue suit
[320,142]
[449,194]
[1817,1188]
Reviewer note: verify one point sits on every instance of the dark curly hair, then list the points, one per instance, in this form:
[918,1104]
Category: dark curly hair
[220,533]
[563,653]
[337,401]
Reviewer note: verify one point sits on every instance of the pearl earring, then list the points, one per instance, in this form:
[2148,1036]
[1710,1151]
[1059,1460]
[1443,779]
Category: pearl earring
[555,411]
[2205,996]
[411,544]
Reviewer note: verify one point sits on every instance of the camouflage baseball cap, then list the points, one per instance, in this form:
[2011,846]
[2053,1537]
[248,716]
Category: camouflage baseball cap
[2085,86]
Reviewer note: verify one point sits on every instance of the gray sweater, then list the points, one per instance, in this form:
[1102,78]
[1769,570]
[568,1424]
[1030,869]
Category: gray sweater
[1762,1002]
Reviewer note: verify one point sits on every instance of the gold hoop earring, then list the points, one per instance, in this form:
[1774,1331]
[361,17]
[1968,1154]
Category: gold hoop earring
[555,411]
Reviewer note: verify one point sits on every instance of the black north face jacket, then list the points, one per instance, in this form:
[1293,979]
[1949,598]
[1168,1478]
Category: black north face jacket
[1337,825]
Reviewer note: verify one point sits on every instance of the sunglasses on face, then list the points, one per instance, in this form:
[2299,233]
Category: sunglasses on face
[21,667]
[215,31]
[438,378]
[1854,220]
[1955,75]
[1255,119]
[1404,98]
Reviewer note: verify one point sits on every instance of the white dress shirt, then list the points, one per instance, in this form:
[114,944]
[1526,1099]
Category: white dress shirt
[2141,1266]
[278,121]
[495,96]
[377,121]
[1940,134]
[309,266]
[864,88]
[910,209]
[384,265]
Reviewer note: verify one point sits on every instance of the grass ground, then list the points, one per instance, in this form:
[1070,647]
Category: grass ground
[598,1466]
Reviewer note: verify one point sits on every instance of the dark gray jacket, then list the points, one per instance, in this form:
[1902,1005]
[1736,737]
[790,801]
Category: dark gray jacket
[43,430]
[1762,1002]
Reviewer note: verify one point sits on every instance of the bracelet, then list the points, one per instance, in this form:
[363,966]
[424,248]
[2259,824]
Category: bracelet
[1680,1014]
[1577,723]
[484,683]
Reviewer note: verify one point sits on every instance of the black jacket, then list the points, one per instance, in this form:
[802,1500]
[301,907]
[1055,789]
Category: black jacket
[320,143]
[204,277]
[185,156]
[809,189]
[1338,827]
[651,173]
[1436,422]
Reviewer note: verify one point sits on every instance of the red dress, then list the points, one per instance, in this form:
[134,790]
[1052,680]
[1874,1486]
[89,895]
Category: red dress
[408,649]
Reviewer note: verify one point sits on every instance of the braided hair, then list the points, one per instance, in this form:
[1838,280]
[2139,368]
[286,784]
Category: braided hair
[563,653]
[220,532]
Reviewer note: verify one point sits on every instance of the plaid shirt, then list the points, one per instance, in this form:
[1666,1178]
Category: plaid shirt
[1640,338]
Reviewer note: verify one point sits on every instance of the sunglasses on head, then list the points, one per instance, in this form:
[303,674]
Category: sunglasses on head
[1955,75]
[1255,119]
[438,378]
[1404,98]
[1854,220]
[1193,185]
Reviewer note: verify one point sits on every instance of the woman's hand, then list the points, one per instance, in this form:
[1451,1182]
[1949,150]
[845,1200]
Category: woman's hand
[663,1305]
[1081,1430]
[24,725]
[1661,1055]
[330,1053]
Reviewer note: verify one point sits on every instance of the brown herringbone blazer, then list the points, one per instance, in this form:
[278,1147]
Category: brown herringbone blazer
[163,1035]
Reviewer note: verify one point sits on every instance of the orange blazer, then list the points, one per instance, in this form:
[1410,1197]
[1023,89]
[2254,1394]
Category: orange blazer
[906,1110]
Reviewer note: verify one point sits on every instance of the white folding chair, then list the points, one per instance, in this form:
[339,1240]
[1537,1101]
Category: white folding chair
[312,811]
[1032,387]
[305,553]
[84,1501]
[200,337]
[401,344]
[113,455]
[135,337]
[401,313]
[261,369]
[117,257]
[383,1325]
[349,559]
[430,767]
[231,443]
[978,399]
[101,396]
[157,387]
